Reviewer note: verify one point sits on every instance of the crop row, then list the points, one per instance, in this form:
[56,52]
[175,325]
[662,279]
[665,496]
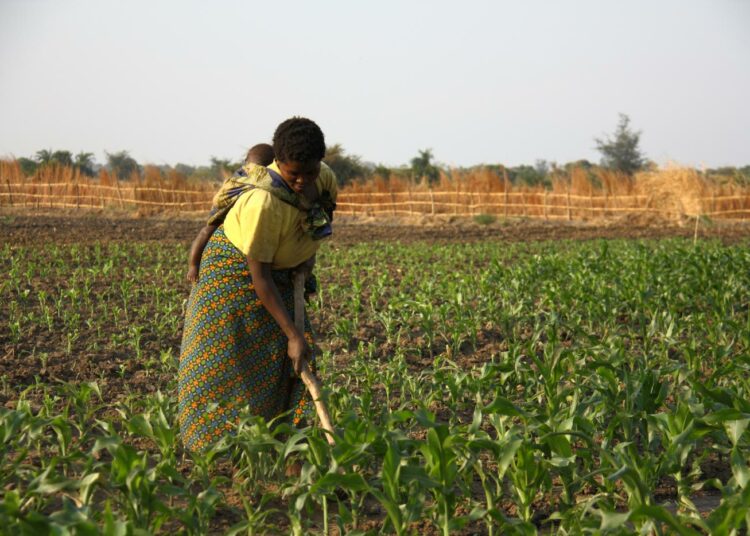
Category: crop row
[579,386]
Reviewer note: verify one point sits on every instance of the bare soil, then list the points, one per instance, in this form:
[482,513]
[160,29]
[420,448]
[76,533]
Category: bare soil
[39,229]
[66,227]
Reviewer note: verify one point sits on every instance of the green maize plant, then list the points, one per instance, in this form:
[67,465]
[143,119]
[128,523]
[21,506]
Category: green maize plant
[598,387]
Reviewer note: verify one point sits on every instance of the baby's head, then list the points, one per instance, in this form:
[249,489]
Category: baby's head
[261,154]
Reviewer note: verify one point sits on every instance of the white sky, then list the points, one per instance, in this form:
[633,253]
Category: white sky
[476,81]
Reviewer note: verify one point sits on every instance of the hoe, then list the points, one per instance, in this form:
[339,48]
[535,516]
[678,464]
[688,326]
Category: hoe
[308,377]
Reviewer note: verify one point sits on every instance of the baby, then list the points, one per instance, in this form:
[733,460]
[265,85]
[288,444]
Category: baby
[258,155]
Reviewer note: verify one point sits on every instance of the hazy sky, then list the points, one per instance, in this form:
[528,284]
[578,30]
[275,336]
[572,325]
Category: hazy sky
[476,81]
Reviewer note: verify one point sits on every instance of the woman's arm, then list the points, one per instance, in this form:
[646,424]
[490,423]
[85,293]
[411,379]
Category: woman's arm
[297,347]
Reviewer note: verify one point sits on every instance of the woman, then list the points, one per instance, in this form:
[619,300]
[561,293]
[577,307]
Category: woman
[240,344]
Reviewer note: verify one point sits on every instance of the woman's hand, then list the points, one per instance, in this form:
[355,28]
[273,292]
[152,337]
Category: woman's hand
[299,352]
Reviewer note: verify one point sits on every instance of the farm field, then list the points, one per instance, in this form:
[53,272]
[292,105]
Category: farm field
[503,379]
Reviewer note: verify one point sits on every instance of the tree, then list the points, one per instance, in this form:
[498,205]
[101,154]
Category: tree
[740,175]
[224,165]
[583,164]
[62,158]
[184,169]
[382,170]
[542,167]
[530,175]
[346,166]
[422,166]
[28,166]
[122,164]
[620,152]
[85,163]
[44,157]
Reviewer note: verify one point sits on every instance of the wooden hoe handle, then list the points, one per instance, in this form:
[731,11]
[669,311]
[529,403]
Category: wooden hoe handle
[310,380]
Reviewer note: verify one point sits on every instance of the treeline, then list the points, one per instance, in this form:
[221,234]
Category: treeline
[122,165]
[620,152]
[348,168]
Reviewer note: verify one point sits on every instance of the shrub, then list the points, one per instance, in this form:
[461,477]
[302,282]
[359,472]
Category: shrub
[485,219]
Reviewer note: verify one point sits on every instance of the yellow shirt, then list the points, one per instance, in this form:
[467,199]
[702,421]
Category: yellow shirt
[269,230]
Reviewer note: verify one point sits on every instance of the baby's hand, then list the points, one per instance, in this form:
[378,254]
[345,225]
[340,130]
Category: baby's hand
[192,274]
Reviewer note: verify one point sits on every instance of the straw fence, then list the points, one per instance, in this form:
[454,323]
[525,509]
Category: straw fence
[672,194]
[98,196]
[62,187]
[532,204]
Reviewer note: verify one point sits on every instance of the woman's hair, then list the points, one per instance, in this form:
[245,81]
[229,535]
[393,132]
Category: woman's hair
[299,140]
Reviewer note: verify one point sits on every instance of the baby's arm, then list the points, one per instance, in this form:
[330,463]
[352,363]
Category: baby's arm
[196,250]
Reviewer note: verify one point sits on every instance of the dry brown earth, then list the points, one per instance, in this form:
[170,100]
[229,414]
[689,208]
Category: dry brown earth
[23,228]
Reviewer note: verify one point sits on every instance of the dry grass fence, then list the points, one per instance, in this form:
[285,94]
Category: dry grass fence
[64,187]
[672,193]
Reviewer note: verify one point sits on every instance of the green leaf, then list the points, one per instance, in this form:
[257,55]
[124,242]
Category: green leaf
[735,429]
[94,387]
[347,482]
[299,504]
[108,443]
[485,444]
[112,526]
[662,515]
[559,444]
[85,485]
[559,461]
[47,487]
[503,406]
[411,473]
[294,444]
[740,470]
[11,503]
[399,416]
[392,510]
[508,453]
[140,425]
[613,520]
[724,415]
[719,395]
[243,527]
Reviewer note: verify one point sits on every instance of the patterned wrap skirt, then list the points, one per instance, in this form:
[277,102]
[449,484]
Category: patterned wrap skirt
[234,355]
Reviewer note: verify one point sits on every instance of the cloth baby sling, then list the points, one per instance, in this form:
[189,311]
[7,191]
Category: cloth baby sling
[318,214]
